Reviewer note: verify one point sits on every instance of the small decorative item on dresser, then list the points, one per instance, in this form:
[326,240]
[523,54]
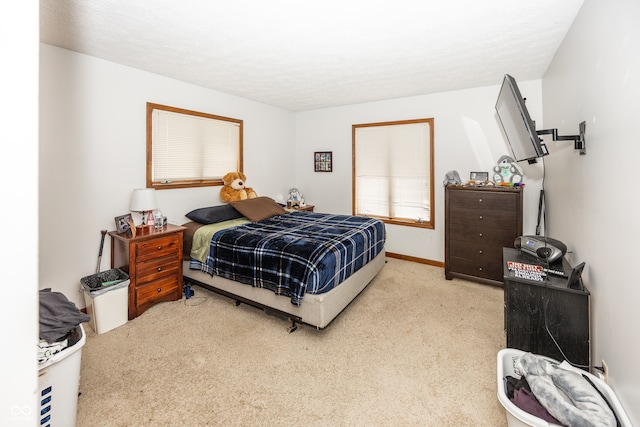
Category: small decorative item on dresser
[323,161]
[479,176]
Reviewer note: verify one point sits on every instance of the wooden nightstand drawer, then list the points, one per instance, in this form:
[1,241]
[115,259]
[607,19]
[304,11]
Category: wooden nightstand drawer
[156,267]
[157,290]
[157,247]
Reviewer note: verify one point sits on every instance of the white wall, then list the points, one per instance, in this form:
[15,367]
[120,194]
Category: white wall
[593,199]
[92,155]
[19,192]
[467,138]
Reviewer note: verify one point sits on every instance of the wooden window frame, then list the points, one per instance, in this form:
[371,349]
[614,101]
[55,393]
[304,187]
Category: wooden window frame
[430,223]
[201,182]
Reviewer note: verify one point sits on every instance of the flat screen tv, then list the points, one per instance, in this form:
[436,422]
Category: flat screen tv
[518,127]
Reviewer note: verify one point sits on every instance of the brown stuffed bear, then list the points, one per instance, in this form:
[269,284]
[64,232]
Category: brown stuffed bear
[234,188]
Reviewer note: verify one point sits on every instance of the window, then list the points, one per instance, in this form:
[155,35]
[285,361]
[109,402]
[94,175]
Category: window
[190,149]
[393,171]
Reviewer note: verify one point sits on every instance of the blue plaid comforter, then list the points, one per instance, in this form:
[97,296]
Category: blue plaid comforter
[295,253]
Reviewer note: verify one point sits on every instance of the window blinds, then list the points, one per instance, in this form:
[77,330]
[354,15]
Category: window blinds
[189,148]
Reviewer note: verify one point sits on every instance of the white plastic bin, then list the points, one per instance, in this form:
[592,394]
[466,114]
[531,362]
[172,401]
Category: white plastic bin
[516,417]
[59,381]
[108,306]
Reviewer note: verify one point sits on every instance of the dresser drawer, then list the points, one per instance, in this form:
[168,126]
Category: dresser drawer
[156,248]
[481,217]
[484,268]
[485,200]
[157,290]
[156,267]
[476,251]
[493,236]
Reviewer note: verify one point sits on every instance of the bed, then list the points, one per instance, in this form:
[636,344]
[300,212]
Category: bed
[302,265]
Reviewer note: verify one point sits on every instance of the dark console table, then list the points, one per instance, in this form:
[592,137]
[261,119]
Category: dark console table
[536,311]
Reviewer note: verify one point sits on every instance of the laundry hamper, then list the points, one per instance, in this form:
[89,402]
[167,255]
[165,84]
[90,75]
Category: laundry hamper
[516,417]
[58,384]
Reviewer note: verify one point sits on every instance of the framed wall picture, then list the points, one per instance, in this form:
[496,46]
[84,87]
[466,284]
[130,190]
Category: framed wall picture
[323,161]
[123,223]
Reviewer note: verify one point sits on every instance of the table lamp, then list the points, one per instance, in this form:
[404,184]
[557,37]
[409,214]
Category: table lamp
[143,200]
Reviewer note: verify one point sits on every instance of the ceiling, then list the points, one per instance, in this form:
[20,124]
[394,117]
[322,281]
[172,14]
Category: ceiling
[304,55]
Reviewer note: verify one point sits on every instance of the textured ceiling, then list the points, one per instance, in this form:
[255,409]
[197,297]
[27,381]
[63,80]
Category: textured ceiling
[303,55]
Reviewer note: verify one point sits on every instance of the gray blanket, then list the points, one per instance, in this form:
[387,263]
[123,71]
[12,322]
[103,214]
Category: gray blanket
[564,393]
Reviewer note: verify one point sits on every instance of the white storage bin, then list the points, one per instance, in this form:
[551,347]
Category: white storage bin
[516,417]
[108,306]
[59,381]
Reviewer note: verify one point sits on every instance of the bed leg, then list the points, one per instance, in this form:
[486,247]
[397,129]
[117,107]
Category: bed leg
[293,327]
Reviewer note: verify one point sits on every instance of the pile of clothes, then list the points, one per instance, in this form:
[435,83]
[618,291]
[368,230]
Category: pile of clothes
[557,393]
[59,324]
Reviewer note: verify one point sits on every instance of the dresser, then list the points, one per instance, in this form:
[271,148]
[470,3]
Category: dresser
[479,222]
[153,260]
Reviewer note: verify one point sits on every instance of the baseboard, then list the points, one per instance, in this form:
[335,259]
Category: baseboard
[416,259]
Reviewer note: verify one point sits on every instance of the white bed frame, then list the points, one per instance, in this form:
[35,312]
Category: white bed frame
[315,310]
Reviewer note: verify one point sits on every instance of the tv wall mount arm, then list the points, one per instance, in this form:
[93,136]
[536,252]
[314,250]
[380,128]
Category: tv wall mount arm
[579,142]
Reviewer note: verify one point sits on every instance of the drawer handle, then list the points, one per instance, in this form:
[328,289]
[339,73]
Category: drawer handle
[480,269]
[159,248]
[480,234]
[479,200]
[159,268]
[480,217]
[480,252]
[159,290]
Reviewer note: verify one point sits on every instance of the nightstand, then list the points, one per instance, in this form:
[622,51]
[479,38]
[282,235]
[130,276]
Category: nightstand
[153,260]
[303,208]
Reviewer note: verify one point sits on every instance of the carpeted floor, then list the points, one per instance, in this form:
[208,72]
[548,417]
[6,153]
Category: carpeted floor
[412,350]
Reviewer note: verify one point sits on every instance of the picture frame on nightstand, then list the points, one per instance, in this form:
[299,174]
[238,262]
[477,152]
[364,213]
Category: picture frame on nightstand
[123,223]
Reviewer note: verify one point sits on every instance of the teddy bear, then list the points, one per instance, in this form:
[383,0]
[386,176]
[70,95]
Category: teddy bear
[234,188]
[507,171]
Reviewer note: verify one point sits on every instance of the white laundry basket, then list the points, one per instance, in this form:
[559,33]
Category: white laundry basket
[59,381]
[516,417]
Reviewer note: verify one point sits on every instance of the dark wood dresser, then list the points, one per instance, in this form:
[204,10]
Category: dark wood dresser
[479,222]
[153,261]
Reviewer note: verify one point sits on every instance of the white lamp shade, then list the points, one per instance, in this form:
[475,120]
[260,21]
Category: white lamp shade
[143,199]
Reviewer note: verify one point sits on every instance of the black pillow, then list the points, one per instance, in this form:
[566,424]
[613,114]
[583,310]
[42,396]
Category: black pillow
[213,214]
